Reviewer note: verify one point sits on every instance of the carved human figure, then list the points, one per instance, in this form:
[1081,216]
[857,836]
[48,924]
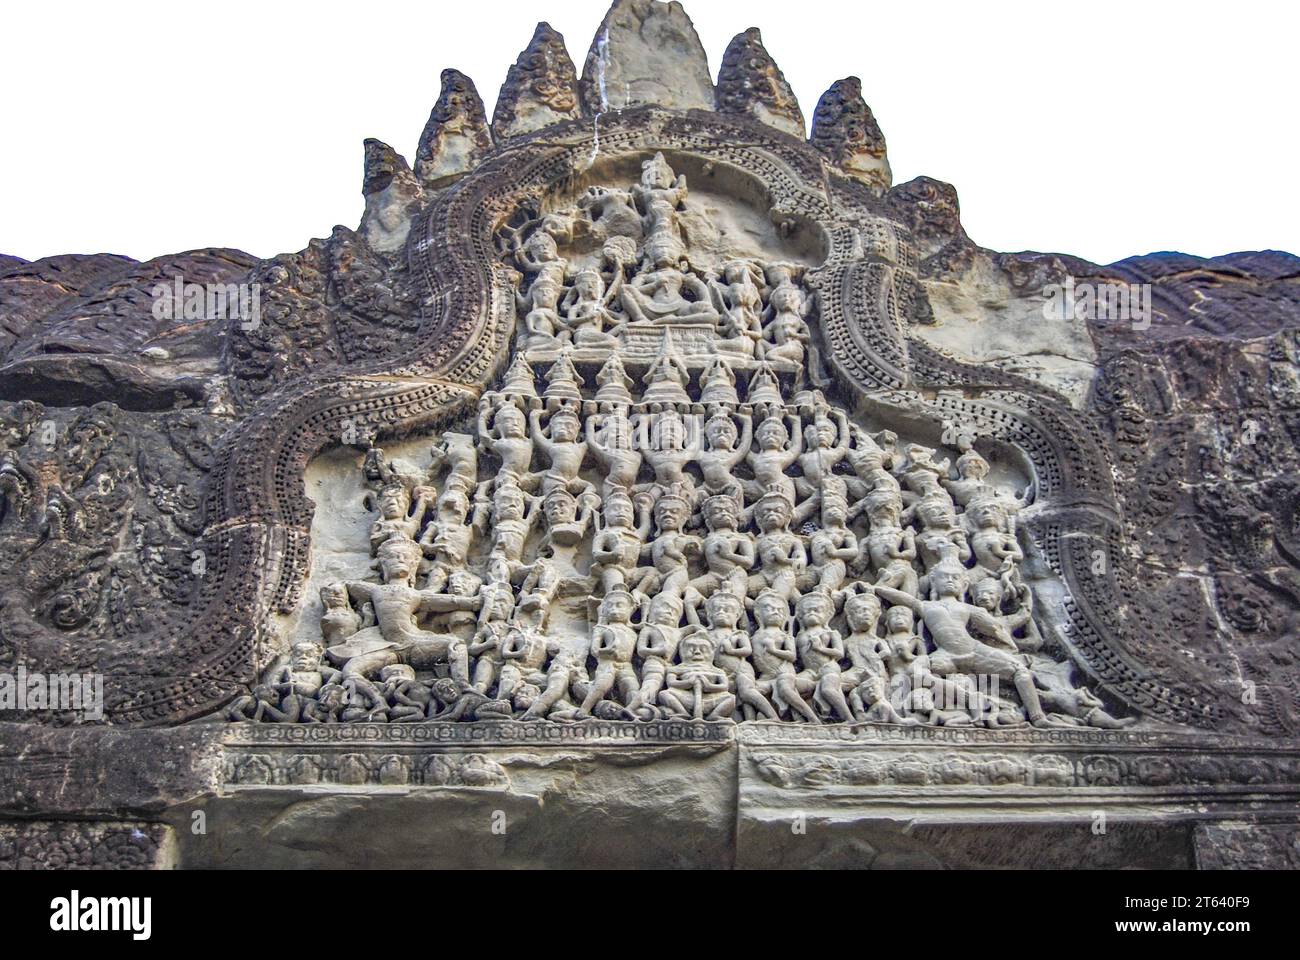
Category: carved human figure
[620,541]
[825,445]
[508,439]
[739,300]
[665,290]
[395,638]
[833,545]
[659,195]
[775,452]
[697,688]
[821,648]
[729,553]
[447,539]
[396,518]
[786,332]
[656,645]
[514,514]
[890,548]
[725,449]
[524,649]
[563,449]
[610,439]
[668,452]
[781,554]
[949,618]
[867,679]
[587,317]
[613,642]
[493,627]
[732,651]
[407,699]
[671,548]
[775,654]
[565,671]
[338,621]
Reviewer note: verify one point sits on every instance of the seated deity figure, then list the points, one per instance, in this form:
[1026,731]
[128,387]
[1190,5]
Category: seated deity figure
[395,638]
[729,553]
[778,448]
[833,545]
[493,627]
[665,290]
[563,449]
[949,619]
[732,650]
[739,301]
[613,643]
[508,439]
[821,648]
[786,334]
[656,645]
[620,541]
[610,440]
[587,318]
[781,554]
[396,518]
[696,688]
[890,547]
[775,654]
[724,452]
[867,679]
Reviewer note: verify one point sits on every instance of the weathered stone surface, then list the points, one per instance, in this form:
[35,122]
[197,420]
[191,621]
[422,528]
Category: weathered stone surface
[846,131]
[750,82]
[644,486]
[63,845]
[540,89]
[456,136]
[646,52]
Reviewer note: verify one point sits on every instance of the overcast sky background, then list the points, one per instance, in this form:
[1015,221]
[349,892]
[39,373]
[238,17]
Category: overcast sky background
[1104,129]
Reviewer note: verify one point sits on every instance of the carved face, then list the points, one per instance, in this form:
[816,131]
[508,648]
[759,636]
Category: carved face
[720,513]
[588,285]
[772,513]
[509,504]
[656,174]
[972,467]
[670,513]
[334,596]
[721,433]
[617,607]
[697,650]
[305,657]
[948,582]
[397,569]
[462,583]
[393,503]
[770,610]
[862,611]
[825,432]
[834,512]
[898,619]
[669,432]
[453,506]
[815,611]
[987,594]
[771,434]
[724,610]
[988,514]
[564,427]
[618,512]
[664,612]
[541,246]
[497,604]
[510,421]
[561,508]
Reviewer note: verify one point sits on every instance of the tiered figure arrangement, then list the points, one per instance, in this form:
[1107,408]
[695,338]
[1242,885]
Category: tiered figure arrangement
[726,544]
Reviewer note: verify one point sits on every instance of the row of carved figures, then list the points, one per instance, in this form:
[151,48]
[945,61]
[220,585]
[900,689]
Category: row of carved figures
[695,615]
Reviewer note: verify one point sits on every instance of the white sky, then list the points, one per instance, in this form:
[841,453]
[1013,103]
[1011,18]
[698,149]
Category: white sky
[1104,129]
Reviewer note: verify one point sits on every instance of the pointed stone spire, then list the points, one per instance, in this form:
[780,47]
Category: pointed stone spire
[718,383]
[562,380]
[847,133]
[646,52]
[392,198]
[456,136]
[751,83]
[667,377]
[540,89]
[520,380]
[615,384]
[764,387]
